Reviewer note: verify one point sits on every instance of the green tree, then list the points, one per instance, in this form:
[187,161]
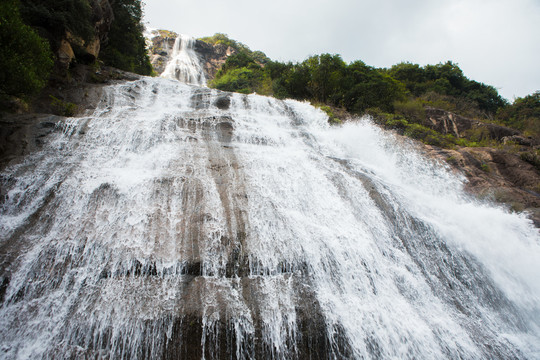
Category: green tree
[126,47]
[367,87]
[56,17]
[326,73]
[412,75]
[25,58]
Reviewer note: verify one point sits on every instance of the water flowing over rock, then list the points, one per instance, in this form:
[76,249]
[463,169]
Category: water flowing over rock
[208,57]
[180,222]
[184,64]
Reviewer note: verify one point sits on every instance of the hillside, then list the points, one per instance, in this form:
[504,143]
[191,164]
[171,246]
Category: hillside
[461,122]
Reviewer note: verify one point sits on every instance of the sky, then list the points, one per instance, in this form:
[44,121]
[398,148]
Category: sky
[496,42]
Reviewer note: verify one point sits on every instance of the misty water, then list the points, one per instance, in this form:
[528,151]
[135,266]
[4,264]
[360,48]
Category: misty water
[180,222]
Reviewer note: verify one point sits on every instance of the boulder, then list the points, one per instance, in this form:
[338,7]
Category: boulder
[65,54]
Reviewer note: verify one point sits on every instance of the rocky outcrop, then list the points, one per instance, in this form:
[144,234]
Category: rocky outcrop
[71,48]
[161,45]
[213,56]
[447,122]
[496,175]
[24,133]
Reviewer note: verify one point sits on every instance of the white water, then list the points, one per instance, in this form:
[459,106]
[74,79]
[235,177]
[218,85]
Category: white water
[184,64]
[162,224]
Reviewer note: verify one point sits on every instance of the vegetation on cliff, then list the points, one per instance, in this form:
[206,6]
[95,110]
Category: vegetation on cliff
[56,17]
[25,58]
[35,34]
[397,97]
[126,47]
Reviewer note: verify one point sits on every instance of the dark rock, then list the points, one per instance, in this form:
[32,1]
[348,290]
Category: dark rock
[20,134]
[223,102]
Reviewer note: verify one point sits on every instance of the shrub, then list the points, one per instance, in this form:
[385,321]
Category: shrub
[413,110]
[332,119]
[523,114]
[243,80]
[25,58]
[62,108]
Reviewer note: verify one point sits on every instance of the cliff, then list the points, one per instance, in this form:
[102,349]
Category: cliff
[161,44]
[70,48]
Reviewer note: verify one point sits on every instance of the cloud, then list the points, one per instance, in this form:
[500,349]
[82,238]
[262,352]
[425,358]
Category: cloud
[493,41]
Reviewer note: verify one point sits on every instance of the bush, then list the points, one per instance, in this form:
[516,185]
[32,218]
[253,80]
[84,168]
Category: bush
[523,114]
[413,110]
[332,119]
[243,80]
[62,108]
[25,58]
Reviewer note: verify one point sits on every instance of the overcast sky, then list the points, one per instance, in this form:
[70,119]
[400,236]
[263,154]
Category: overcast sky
[496,42]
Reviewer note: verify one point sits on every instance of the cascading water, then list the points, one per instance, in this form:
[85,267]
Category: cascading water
[184,64]
[179,222]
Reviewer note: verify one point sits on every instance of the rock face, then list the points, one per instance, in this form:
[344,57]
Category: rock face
[213,56]
[446,122]
[71,47]
[161,44]
[496,175]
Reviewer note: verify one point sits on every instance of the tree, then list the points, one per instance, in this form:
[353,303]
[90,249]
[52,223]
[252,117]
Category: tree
[325,75]
[25,58]
[368,87]
[57,17]
[126,48]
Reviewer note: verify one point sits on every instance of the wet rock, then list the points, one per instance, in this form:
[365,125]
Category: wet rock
[212,57]
[223,102]
[496,175]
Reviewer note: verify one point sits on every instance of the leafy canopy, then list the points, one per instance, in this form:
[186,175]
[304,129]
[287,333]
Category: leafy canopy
[25,58]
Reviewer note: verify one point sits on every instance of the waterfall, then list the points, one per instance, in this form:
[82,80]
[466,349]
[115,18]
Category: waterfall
[181,222]
[184,64]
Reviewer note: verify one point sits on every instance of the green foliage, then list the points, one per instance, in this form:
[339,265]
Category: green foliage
[219,38]
[243,71]
[236,61]
[62,108]
[368,87]
[401,93]
[25,58]
[332,119]
[411,75]
[126,48]
[58,16]
[326,73]
[243,80]
[448,80]
[412,109]
[523,114]
[412,130]
[257,56]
